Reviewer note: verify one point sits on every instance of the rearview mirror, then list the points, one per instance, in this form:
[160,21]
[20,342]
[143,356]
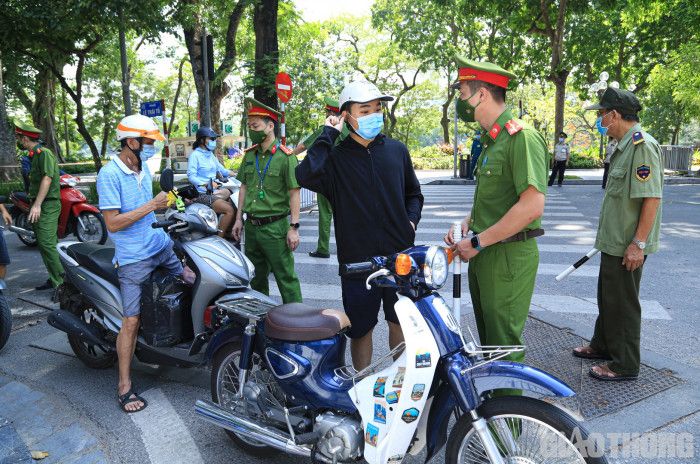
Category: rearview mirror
[167,180]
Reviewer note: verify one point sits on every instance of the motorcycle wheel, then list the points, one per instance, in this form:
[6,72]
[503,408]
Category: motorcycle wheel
[93,356]
[544,434]
[22,220]
[95,230]
[224,387]
[5,320]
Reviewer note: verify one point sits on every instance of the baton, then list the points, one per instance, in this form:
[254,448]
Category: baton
[457,275]
[577,264]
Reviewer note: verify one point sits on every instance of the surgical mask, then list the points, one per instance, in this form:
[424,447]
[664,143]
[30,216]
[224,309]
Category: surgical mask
[257,136]
[147,152]
[368,127]
[601,128]
[211,145]
[561,139]
[470,110]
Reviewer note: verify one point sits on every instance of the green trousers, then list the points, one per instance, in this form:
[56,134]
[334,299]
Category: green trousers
[266,247]
[46,230]
[618,326]
[501,282]
[325,215]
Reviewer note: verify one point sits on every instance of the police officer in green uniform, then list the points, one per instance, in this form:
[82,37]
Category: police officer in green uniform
[628,231]
[45,194]
[508,203]
[325,211]
[269,193]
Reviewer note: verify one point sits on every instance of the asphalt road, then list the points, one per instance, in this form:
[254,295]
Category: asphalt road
[71,411]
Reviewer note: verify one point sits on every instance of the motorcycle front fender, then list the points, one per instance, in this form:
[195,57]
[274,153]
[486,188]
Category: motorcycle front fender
[232,333]
[78,208]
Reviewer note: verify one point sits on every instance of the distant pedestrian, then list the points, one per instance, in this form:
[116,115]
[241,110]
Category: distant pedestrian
[609,150]
[562,152]
[475,153]
[628,231]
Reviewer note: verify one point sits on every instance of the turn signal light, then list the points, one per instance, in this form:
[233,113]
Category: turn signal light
[403,264]
[450,255]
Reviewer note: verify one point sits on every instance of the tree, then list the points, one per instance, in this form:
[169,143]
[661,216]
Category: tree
[266,51]
[8,156]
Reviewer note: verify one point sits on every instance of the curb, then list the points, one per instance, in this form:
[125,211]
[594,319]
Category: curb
[667,181]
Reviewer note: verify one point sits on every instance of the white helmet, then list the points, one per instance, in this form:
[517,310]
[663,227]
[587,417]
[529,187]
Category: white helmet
[361,92]
[138,125]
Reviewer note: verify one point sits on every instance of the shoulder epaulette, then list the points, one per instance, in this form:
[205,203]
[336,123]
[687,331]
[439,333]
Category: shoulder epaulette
[637,138]
[251,148]
[513,127]
[287,151]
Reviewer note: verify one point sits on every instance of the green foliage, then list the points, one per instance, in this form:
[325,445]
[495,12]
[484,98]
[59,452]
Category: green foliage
[11,186]
[585,159]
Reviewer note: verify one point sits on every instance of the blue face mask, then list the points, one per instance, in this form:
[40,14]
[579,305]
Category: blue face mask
[211,145]
[370,126]
[147,152]
[602,130]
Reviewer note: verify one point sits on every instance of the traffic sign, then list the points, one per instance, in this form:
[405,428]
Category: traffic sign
[152,108]
[194,127]
[283,84]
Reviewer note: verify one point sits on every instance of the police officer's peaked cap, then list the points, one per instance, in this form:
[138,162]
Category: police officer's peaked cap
[621,100]
[470,70]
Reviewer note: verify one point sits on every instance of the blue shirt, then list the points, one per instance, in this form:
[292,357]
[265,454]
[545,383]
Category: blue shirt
[476,148]
[202,166]
[120,188]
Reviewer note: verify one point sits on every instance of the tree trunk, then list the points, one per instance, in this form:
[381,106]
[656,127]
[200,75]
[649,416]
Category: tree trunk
[560,86]
[445,121]
[8,155]
[266,51]
[43,111]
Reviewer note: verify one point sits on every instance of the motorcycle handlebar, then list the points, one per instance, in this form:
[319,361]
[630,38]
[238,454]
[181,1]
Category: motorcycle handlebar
[163,224]
[358,268]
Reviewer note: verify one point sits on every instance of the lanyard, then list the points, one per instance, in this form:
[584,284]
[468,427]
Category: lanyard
[261,175]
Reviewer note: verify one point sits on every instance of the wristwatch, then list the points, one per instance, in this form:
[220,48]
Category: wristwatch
[294,225]
[475,243]
[641,245]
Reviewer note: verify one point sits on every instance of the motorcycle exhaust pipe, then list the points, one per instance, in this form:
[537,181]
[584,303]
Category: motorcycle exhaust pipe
[21,231]
[72,325]
[212,413]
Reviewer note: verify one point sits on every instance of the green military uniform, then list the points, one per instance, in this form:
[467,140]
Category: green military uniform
[325,210]
[269,176]
[46,228]
[502,275]
[636,172]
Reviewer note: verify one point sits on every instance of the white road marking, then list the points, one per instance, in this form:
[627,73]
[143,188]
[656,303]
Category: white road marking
[164,434]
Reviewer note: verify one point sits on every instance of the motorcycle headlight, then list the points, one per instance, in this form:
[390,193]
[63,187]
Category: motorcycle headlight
[435,269]
[209,217]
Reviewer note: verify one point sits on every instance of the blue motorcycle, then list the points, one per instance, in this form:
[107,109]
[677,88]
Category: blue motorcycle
[284,385]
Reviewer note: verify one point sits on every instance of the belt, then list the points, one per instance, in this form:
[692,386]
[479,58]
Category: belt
[261,221]
[524,235]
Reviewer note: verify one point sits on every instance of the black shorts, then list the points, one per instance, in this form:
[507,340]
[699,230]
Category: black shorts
[362,305]
[4,255]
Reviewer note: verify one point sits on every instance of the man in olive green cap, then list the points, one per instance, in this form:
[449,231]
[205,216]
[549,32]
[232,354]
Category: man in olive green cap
[45,194]
[628,231]
[325,211]
[508,203]
[269,193]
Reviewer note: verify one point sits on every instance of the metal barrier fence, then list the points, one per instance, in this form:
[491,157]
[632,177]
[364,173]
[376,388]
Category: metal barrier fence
[308,199]
[677,158]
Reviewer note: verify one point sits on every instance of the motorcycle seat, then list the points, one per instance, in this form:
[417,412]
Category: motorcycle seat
[96,259]
[297,322]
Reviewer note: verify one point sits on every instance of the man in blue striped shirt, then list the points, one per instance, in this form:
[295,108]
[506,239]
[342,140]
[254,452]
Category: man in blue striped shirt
[125,191]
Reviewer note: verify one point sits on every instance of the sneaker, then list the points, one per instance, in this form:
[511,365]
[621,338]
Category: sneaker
[316,254]
[45,286]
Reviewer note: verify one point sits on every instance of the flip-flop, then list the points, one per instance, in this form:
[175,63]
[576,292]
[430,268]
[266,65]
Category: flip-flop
[126,399]
[590,355]
[615,378]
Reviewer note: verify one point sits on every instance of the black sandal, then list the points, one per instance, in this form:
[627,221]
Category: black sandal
[590,354]
[610,378]
[126,399]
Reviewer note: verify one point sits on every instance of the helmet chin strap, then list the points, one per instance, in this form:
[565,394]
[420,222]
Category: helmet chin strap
[137,154]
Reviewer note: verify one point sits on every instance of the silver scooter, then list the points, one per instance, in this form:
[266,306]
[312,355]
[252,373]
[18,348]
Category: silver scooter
[178,319]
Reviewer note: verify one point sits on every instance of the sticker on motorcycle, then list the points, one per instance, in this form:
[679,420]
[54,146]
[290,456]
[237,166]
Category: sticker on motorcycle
[423,360]
[398,378]
[371,435]
[409,415]
[417,392]
[379,413]
[379,387]
[393,397]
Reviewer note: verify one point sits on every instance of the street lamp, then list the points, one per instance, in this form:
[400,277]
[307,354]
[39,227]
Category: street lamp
[597,89]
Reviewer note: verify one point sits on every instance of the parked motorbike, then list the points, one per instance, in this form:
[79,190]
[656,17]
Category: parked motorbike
[77,215]
[177,318]
[5,313]
[284,386]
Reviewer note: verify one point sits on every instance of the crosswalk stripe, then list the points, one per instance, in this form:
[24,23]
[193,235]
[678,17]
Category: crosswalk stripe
[546,206]
[581,240]
[164,434]
[313,219]
[422,231]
